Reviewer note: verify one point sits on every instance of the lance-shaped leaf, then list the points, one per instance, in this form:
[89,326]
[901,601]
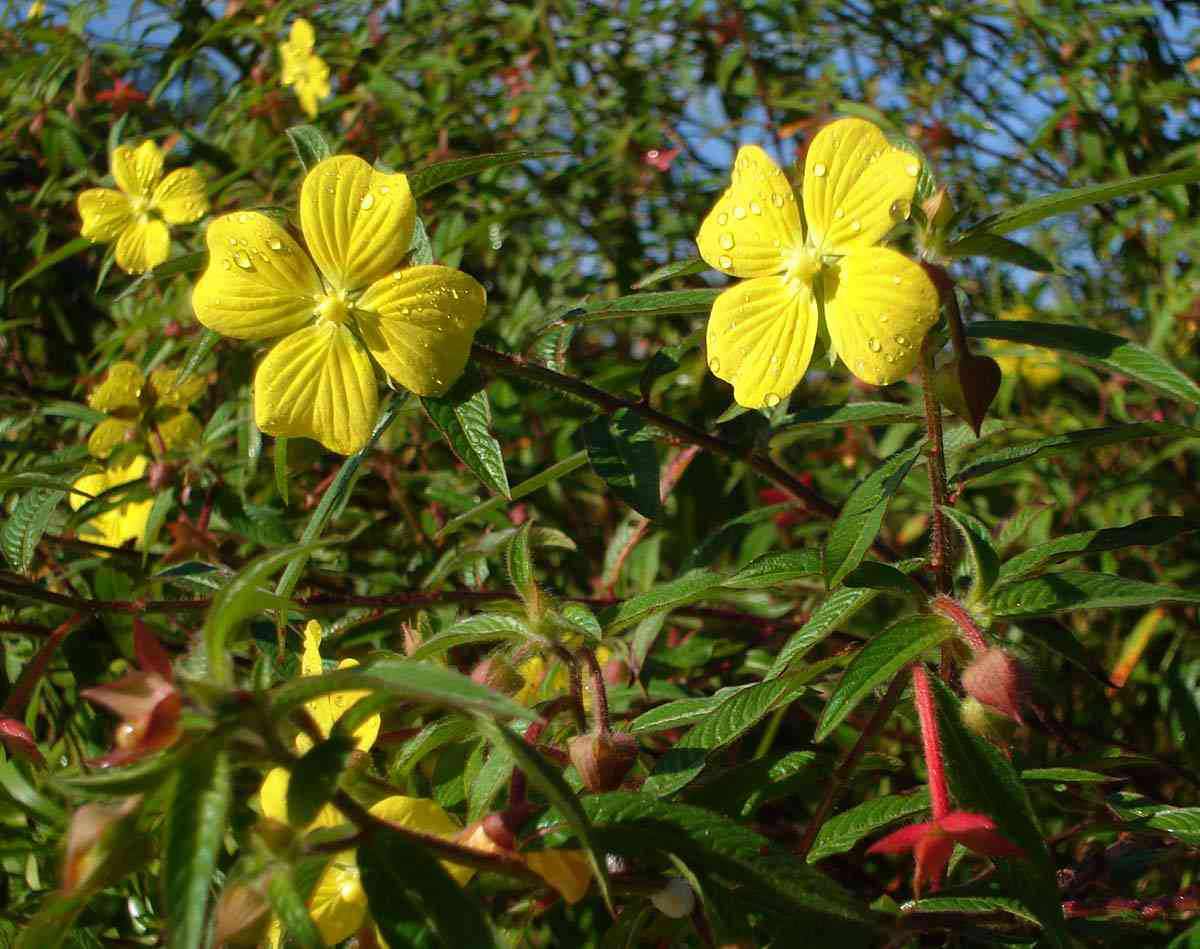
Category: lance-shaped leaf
[844,830]
[981,555]
[464,417]
[622,452]
[1148,531]
[1079,590]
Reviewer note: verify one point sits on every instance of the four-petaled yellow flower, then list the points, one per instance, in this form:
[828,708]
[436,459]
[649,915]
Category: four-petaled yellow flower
[304,70]
[336,301]
[137,215]
[126,522]
[1037,366]
[338,903]
[133,402]
[878,304]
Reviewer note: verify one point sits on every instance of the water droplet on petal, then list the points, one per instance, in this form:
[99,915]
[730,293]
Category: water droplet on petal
[900,338]
[727,241]
[233,242]
[755,207]
[275,243]
[243,260]
[739,212]
[874,345]
[777,200]
[819,170]
[839,213]
[725,261]
[367,202]
[722,219]
[772,400]
[856,226]
[896,281]
[226,264]
[715,365]
[913,168]
[900,209]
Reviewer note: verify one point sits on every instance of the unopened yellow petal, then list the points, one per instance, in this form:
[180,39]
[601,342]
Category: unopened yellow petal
[143,245]
[310,658]
[417,813]
[419,323]
[272,796]
[317,383]
[755,225]
[109,434]
[760,338]
[181,197]
[338,904]
[166,391]
[358,222]
[121,389]
[856,185]
[879,306]
[178,431]
[259,282]
[105,213]
[567,871]
[137,170]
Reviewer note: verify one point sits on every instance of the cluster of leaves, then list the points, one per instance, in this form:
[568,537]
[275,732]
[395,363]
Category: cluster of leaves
[584,498]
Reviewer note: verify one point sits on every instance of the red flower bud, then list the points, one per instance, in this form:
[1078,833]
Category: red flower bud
[998,681]
[603,760]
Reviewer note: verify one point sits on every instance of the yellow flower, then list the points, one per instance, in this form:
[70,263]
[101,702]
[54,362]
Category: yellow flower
[565,871]
[338,904]
[134,216]
[131,403]
[1039,367]
[336,301]
[878,303]
[303,69]
[127,522]
[37,10]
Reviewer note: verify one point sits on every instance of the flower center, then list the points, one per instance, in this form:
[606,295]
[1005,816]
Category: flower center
[333,308]
[140,205]
[803,264]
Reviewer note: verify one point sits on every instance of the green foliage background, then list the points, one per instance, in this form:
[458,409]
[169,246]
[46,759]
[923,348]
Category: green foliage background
[1008,101]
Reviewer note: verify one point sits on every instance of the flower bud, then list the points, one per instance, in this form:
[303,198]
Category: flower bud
[675,900]
[242,915]
[603,760]
[999,681]
[497,673]
[967,386]
[939,209]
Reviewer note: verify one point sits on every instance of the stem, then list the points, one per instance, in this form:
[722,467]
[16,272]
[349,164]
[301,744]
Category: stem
[931,742]
[937,473]
[576,686]
[955,612]
[599,693]
[845,770]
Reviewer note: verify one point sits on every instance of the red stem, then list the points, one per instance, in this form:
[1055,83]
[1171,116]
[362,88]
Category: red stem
[931,741]
[955,612]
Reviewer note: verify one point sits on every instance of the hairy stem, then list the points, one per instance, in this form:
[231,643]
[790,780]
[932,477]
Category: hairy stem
[931,742]
[938,560]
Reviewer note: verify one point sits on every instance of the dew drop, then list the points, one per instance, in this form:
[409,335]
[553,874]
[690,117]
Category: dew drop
[890,358]
[727,241]
[722,219]
[913,168]
[367,202]
[739,212]
[772,400]
[725,261]
[777,200]
[856,226]
[839,213]
[233,242]
[275,243]
[243,218]
[385,190]
[874,345]
[900,209]
[819,170]
[715,365]
[896,281]
[226,264]
[755,207]
[243,260]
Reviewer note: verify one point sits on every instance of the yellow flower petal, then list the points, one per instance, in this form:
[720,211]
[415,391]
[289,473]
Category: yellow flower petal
[310,658]
[272,796]
[307,97]
[755,225]
[317,383]
[327,709]
[181,197]
[166,392]
[358,222]
[421,814]
[108,435]
[259,282]
[338,904]
[106,213]
[302,38]
[532,671]
[137,170]
[856,185]
[178,431]
[567,871]
[1040,372]
[121,389]
[143,245]
[419,323]
[127,522]
[760,338]
[879,305]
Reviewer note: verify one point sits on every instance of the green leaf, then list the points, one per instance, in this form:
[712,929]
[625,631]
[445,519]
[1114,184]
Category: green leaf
[1114,353]
[1000,248]
[724,724]
[873,575]
[518,558]
[484,628]
[858,523]
[621,450]
[54,920]
[406,885]
[310,144]
[424,180]
[193,835]
[23,530]
[1065,775]
[983,781]
[135,778]
[879,661]
[680,712]
[982,556]
[679,268]
[1148,531]
[281,468]
[1079,590]
[661,303]
[1071,441]
[464,418]
[1180,822]
[542,776]
[69,249]
[1023,215]
[838,607]
[315,778]
[689,588]
[776,569]
[289,905]
[971,904]
[842,831]
[841,416]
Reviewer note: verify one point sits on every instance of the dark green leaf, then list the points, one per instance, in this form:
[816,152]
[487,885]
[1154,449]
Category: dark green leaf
[776,569]
[838,607]
[290,908]
[873,575]
[621,450]
[424,180]
[518,558]
[840,416]
[680,268]
[23,530]
[1150,530]
[315,778]
[310,144]
[464,418]
[879,661]
[69,249]
[842,831]
[971,904]
[1078,590]
[484,628]
[982,556]
[686,589]
[1000,248]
